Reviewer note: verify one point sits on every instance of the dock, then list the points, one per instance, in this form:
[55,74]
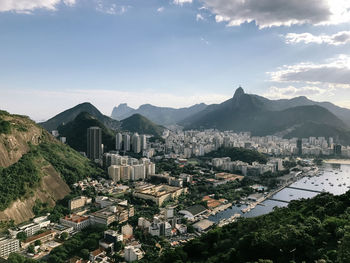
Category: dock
[304,189]
[278,200]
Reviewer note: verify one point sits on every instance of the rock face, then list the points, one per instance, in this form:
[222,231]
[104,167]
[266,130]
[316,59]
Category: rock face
[52,188]
[15,144]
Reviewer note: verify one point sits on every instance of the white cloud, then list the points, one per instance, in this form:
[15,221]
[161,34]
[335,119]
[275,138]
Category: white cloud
[199,17]
[267,13]
[110,7]
[26,6]
[339,38]
[291,92]
[160,9]
[205,41]
[181,2]
[334,71]
[43,104]
[69,2]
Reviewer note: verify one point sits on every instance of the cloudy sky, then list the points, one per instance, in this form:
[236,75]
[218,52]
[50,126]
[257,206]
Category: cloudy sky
[57,53]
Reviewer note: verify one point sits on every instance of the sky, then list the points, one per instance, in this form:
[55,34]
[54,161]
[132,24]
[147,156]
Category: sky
[55,54]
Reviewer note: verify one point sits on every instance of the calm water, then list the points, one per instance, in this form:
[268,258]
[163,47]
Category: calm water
[334,179]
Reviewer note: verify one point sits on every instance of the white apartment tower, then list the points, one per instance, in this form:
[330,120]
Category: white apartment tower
[136,143]
[126,140]
[118,141]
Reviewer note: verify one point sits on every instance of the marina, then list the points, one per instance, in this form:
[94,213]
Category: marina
[332,178]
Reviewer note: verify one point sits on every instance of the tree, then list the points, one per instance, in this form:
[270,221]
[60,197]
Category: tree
[64,236]
[31,249]
[37,243]
[343,251]
[84,253]
[21,236]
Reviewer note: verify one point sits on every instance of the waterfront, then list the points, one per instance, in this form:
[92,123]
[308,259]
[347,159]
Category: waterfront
[332,178]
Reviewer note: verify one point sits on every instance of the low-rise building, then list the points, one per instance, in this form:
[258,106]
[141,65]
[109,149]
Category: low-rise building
[78,202]
[132,253]
[203,225]
[43,237]
[158,193]
[193,211]
[76,221]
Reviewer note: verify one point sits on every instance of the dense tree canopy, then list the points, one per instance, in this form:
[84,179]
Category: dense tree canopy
[305,231]
[241,154]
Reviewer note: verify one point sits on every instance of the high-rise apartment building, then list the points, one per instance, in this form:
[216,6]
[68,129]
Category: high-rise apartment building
[143,142]
[94,143]
[119,141]
[126,142]
[299,147]
[136,143]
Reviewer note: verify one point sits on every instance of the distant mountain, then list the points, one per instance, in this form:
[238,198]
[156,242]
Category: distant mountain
[142,125]
[312,129]
[121,112]
[159,115]
[76,132]
[282,104]
[70,114]
[245,112]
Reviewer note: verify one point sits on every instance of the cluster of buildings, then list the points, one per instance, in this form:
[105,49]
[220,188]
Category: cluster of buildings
[187,144]
[135,143]
[124,142]
[124,168]
[38,229]
[111,210]
[165,224]
[102,186]
[244,168]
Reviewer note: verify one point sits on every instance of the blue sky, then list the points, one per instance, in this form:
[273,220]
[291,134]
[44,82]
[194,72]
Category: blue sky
[57,53]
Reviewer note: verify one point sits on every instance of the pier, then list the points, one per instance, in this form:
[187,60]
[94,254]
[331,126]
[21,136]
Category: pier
[278,200]
[304,189]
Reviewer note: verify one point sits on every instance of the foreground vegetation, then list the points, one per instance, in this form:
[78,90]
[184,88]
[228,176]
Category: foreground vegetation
[314,230]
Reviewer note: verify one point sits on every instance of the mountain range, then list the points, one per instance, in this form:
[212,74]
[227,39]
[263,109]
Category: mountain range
[70,114]
[159,115]
[297,117]
[74,122]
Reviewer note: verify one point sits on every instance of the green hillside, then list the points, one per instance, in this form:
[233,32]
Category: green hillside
[44,157]
[76,132]
[142,125]
[238,154]
[70,114]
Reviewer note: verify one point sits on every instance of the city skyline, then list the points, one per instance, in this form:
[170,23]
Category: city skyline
[56,54]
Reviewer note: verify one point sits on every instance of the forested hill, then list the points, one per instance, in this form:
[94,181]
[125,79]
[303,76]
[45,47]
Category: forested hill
[34,167]
[313,230]
[238,154]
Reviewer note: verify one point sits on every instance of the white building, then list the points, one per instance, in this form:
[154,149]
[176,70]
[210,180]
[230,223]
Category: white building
[136,143]
[7,246]
[126,141]
[132,253]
